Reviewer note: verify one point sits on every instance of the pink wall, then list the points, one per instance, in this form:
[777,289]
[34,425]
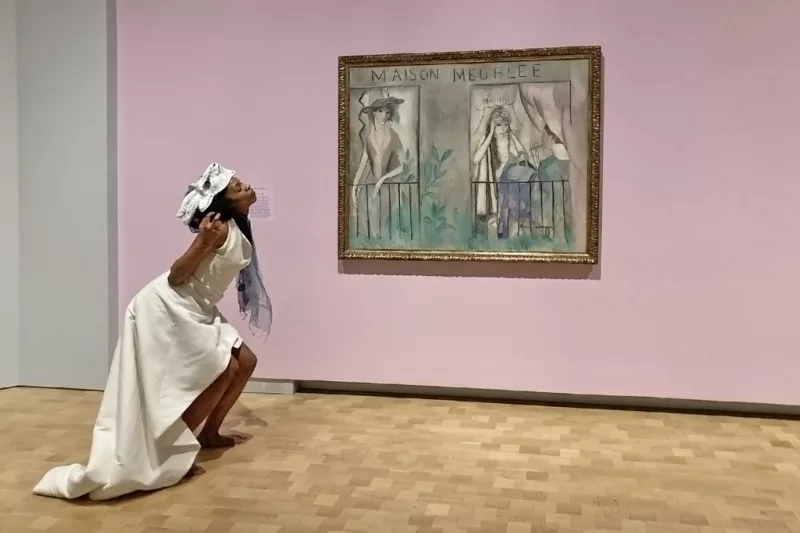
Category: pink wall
[697,294]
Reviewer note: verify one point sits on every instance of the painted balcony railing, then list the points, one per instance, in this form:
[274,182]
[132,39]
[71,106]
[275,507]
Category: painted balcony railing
[515,209]
[392,213]
[537,209]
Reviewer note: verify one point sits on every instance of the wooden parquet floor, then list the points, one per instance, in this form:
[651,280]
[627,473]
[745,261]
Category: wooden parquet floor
[359,464]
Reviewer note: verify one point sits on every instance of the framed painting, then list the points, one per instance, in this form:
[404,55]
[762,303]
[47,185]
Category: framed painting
[487,155]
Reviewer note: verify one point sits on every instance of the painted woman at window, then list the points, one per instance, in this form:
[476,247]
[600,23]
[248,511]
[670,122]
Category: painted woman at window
[498,148]
[381,157]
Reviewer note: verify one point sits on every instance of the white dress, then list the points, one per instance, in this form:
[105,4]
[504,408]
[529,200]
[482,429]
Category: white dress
[174,344]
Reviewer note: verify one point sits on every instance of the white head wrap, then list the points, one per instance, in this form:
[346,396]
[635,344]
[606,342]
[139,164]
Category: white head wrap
[213,181]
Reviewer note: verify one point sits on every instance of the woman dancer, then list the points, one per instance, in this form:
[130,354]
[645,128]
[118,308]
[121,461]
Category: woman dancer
[178,362]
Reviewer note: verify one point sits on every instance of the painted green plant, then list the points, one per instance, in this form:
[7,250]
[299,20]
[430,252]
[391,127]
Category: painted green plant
[434,211]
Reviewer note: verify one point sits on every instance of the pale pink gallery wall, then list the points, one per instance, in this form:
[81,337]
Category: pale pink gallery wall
[697,293]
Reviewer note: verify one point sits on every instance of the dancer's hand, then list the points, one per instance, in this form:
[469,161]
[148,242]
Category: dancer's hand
[213,232]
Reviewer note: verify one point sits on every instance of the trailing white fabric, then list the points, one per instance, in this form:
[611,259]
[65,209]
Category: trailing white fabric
[174,344]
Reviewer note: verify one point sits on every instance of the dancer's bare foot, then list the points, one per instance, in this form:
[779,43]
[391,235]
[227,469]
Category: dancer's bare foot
[194,471]
[222,441]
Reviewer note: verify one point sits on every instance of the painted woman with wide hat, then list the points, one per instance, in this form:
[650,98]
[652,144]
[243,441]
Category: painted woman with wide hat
[381,158]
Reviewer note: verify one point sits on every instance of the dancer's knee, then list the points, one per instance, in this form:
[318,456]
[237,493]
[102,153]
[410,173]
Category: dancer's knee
[233,369]
[247,360]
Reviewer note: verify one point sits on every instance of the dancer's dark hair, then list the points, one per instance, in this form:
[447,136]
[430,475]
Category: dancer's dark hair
[254,301]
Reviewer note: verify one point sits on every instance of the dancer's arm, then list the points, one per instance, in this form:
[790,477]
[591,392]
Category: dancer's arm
[212,235]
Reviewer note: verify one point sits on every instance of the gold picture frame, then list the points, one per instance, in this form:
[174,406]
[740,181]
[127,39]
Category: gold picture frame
[444,156]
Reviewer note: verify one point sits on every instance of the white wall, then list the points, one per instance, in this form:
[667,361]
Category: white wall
[67,223]
[9,184]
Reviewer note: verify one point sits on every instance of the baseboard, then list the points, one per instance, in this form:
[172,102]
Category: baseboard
[257,386]
[270,386]
[630,403]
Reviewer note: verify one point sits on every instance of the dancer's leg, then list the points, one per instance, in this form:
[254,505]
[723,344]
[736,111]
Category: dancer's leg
[209,436]
[202,406]
[205,402]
